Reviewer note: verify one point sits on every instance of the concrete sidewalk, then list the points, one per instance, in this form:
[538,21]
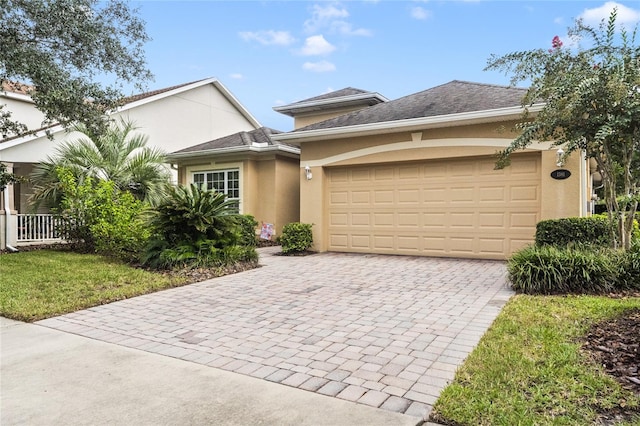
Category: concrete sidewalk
[48,377]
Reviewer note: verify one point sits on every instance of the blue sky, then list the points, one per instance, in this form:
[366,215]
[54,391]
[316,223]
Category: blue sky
[270,53]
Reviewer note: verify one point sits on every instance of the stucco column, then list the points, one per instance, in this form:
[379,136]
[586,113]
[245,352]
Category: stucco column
[560,198]
[312,204]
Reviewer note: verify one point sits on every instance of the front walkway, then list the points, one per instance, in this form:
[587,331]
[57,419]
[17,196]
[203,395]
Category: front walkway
[385,331]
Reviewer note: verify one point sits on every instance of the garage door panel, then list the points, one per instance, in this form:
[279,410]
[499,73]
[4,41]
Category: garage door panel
[384,197]
[383,242]
[339,197]
[361,219]
[409,197]
[360,197]
[459,207]
[360,175]
[409,172]
[339,219]
[339,241]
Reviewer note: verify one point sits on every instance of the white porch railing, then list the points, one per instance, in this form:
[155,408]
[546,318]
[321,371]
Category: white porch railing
[37,228]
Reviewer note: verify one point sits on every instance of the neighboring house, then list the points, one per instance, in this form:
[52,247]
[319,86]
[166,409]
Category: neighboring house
[262,175]
[416,175]
[173,118]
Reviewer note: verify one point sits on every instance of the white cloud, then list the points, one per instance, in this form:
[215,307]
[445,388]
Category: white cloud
[322,16]
[270,37]
[626,15]
[236,76]
[316,45]
[559,20]
[329,90]
[332,16]
[420,13]
[322,66]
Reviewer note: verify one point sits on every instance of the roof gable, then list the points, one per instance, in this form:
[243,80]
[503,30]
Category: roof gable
[142,99]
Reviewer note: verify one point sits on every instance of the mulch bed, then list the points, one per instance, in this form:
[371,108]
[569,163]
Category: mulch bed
[615,344]
[202,274]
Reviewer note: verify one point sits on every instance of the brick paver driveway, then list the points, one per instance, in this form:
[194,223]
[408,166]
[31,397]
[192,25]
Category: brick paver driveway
[386,331]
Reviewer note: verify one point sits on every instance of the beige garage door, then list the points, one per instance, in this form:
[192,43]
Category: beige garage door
[454,208]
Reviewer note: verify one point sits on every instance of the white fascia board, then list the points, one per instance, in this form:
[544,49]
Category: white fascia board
[234,149]
[237,104]
[329,101]
[17,96]
[406,125]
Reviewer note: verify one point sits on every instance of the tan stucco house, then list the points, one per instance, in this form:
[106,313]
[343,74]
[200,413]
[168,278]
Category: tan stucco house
[173,118]
[416,175]
[250,167]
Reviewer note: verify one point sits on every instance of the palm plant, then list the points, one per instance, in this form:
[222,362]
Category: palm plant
[118,154]
[194,226]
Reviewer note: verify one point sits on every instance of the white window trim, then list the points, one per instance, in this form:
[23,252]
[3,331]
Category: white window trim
[221,168]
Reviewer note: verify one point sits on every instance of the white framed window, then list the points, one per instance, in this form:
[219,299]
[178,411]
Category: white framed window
[225,181]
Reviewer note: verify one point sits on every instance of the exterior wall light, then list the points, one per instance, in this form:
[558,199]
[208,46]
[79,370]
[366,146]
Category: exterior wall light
[560,157]
[307,172]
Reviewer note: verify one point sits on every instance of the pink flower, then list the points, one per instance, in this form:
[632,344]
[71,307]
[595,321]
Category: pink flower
[556,43]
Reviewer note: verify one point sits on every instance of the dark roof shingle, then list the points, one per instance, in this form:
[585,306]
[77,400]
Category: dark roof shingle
[258,136]
[450,98]
[347,91]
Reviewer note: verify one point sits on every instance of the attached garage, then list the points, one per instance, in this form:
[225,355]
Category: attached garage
[461,208]
[416,176]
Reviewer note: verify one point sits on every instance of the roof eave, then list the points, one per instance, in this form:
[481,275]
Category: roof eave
[342,101]
[406,125]
[234,150]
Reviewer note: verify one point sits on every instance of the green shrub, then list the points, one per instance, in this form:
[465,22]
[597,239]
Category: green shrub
[247,230]
[552,270]
[201,254]
[574,230]
[296,237]
[97,216]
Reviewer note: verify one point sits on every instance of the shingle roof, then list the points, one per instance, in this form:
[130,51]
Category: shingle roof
[347,91]
[15,87]
[343,98]
[450,98]
[258,136]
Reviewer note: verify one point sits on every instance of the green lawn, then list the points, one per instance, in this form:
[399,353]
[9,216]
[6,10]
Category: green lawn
[45,283]
[529,370]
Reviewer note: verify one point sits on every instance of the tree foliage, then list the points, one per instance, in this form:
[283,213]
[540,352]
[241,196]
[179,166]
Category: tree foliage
[118,154]
[7,178]
[62,48]
[591,104]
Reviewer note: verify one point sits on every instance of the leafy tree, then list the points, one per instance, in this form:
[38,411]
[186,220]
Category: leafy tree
[61,48]
[591,104]
[118,154]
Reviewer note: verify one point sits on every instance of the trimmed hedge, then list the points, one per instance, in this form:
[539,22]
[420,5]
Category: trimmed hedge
[574,230]
[553,270]
[296,237]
